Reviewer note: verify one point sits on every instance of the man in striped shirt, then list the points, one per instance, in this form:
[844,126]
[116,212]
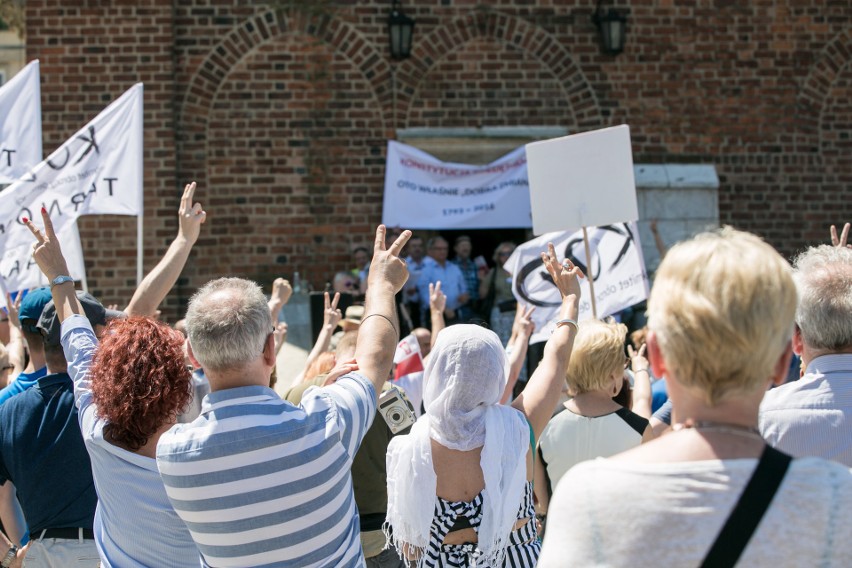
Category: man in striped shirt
[258,481]
[813,416]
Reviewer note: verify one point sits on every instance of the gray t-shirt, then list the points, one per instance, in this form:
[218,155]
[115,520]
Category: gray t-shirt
[616,513]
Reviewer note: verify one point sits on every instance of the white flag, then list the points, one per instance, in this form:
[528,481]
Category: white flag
[18,270]
[97,171]
[617,267]
[20,124]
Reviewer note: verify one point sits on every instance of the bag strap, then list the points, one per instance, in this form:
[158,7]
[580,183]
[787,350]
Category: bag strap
[749,510]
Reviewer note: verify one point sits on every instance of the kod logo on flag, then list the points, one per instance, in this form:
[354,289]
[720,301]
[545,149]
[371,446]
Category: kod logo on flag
[617,267]
[20,124]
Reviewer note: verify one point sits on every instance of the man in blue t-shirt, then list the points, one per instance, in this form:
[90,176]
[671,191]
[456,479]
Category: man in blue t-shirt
[31,307]
[59,515]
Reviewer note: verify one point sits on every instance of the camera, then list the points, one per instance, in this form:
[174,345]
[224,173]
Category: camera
[395,410]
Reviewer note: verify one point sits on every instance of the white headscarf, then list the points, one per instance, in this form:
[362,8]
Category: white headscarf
[464,380]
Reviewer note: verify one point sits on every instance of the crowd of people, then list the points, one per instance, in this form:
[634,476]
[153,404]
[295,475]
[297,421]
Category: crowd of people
[128,442]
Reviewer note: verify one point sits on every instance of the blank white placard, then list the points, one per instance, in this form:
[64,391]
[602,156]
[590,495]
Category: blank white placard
[583,180]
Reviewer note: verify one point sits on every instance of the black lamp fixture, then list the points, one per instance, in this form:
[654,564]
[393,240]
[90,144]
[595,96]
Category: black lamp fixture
[611,26]
[400,31]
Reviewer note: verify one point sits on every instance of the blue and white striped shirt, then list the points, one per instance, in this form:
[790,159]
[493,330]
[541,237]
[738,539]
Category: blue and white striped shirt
[135,525]
[260,482]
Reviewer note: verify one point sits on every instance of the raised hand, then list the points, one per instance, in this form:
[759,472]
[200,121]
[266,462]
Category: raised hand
[46,250]
[638,362]
[331,315]
[339,370]
[387,268]
[842,241]
[281,291]
[565,275]
[437,299]
[524,325]
[12,308]
[190,216]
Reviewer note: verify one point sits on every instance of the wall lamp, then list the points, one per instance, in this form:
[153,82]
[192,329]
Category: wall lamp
[611,25]
[400,31]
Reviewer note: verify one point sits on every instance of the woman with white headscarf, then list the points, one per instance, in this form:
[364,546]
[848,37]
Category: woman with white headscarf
[460,484]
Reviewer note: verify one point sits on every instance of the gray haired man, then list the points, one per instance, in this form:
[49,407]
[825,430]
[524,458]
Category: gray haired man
[257,480]
[813,416]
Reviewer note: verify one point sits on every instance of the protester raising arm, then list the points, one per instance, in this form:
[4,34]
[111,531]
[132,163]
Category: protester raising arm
[331,315]
[379,331]
[160,280]
[541,394]
[519,342]
[281,292]
[641,393]
[437,304]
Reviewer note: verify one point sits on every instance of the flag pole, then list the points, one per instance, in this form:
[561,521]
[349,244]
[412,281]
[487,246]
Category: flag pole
[589,273]
[140,245]
[140,249]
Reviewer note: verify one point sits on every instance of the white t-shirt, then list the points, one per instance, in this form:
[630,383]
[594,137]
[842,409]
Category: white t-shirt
[613,513]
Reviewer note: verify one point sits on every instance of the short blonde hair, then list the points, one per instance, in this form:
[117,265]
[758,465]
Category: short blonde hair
[598,352]
[722,309]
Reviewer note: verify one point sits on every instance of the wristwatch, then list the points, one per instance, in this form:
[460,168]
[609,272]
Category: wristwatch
[10,556]
[62,279]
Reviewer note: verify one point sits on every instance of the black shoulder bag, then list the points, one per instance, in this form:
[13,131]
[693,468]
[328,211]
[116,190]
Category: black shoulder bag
[749,510]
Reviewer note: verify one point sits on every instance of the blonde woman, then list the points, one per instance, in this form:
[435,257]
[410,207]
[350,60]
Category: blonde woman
[591,424]
[720,322]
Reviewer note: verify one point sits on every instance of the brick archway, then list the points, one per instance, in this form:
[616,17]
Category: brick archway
[247,36]
[488,24]
[815,91]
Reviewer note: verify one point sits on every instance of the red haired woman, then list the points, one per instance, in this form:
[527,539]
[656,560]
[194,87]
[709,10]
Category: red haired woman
[129,389]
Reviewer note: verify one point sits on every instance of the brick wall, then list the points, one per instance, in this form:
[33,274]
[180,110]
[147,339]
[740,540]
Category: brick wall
[282,116]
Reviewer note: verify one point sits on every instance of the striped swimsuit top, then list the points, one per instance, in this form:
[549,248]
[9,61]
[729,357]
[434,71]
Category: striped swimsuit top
[523,548]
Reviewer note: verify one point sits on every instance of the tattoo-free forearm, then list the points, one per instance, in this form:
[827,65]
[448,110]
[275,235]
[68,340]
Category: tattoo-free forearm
[378,335]
[160,280]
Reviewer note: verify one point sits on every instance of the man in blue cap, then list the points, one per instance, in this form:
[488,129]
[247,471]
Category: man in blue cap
[29,313]
[60,517]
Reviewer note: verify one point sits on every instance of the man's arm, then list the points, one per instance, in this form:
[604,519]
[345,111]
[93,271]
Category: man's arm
[281,292]
[162,278]
[522,329]
[437,303]
[11,515]
[379,331]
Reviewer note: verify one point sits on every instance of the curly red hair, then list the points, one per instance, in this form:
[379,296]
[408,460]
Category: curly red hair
[139,379]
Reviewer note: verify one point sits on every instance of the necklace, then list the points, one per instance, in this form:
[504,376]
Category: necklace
[721,427]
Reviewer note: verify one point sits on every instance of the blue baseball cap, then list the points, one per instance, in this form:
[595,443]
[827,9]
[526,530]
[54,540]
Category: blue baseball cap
[33,304]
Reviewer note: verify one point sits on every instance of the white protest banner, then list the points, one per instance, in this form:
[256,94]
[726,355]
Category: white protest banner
[18,270]
[422,192]
[97,171]
[20,123]
[583,180]
[617,267]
